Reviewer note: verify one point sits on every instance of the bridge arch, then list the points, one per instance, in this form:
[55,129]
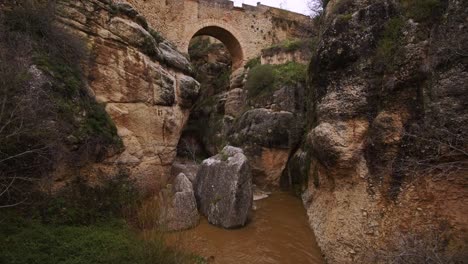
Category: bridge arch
[224,33]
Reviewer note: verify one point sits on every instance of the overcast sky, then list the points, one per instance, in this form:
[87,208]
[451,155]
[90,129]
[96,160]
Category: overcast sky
[299,6]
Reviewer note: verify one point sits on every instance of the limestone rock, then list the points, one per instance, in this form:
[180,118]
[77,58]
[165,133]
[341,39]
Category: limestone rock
[224,188]
[263,127]
[189,90]
[373,114]
[187,167]
[164,89]
[179,208]
[174,59]
[137,80]
[339,144]
[235,102]
[131,32]
[237,78]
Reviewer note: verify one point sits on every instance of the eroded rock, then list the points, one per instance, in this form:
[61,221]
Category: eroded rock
[178,206]
[224,188]
[143,83]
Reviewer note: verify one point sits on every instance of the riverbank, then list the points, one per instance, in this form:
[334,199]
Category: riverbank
[26,241]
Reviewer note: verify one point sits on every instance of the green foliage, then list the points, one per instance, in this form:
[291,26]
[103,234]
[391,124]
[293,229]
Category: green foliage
[422,10]
[261,79]
[291,45]
[141,20]
[30,242]
[224,156]
[43,118]
[252,63]
[345,17]
[290,73]
[156,35]
[200,47]
[222,80]
[98,123]
[342,6]
[80,203]
[59,54]
[32,18]
[390,43]
[265,79]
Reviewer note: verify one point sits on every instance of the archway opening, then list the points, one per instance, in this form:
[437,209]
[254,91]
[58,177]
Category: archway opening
[228,39]
[213,63]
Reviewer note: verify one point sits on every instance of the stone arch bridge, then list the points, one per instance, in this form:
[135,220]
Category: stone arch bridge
[245,30]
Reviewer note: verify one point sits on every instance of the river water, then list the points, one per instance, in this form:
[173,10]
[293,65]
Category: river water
[278,234]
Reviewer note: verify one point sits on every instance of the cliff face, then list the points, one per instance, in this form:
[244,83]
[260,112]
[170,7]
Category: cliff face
[386,139]
[143,81]
[258,108]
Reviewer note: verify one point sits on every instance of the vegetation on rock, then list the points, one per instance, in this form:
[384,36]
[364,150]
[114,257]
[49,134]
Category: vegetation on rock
[46,108]
[49,121]
[265,79]
[292,45]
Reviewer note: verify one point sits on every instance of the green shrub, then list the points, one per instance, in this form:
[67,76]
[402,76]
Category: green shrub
[30,242]
[80,203]
[290,73]
[199,48]
[422,10]
[252,63]
[291,45]
[41,120]
[222,80]
[390,43]
[265,79]
[156,35]
[342,6]
[261,79]
[345,17]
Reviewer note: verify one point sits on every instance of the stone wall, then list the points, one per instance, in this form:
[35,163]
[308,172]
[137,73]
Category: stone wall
[283,57]
[255,27]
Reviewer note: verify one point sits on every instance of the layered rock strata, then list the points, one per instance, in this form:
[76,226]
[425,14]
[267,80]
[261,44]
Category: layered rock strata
[144,82]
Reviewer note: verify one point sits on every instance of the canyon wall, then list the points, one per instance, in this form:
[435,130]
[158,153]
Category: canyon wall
[143,81]
[385,157]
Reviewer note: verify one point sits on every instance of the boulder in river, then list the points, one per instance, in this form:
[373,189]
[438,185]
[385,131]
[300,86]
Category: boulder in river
[178,205]
[223,188]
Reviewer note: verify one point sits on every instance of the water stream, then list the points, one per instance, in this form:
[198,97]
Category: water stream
[278,234]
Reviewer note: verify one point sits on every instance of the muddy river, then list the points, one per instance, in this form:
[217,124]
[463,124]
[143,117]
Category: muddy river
[278,234]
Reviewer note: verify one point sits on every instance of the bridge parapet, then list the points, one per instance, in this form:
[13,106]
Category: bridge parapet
[244,30]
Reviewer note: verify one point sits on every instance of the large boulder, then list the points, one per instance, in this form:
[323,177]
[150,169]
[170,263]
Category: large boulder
[178,206]
[223,188]
[263,127]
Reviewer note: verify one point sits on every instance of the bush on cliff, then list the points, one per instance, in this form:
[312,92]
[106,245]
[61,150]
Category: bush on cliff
[47,116]
[423,10]
[291,45]
[48,121]
[265,79]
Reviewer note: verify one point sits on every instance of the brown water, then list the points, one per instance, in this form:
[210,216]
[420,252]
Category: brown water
[278,234]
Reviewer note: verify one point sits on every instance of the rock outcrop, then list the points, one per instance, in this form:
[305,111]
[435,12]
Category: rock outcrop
[386,105]
[178,205]
[224,188]
[265,135]
[143,81]
[266,126]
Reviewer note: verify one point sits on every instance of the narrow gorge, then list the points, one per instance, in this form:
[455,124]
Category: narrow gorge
[199,131]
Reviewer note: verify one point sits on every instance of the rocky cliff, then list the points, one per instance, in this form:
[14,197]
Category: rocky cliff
[145,84]
[259,108]
[383,162]
[385,157]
